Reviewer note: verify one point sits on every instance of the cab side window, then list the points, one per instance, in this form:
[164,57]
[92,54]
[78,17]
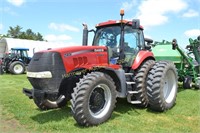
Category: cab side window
[130,40]
[130,45]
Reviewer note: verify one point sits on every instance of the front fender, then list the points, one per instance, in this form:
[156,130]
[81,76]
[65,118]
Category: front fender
[141,56]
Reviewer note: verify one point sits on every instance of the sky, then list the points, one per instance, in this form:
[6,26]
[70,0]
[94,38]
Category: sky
[61,20]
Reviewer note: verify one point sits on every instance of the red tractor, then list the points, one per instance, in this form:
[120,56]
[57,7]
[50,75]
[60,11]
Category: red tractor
[119,64]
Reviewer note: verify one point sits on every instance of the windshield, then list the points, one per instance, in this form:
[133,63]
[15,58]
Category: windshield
[107,36]
[110,36]
[19,53]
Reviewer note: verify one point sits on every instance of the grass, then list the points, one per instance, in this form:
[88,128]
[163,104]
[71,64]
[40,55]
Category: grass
[19,114]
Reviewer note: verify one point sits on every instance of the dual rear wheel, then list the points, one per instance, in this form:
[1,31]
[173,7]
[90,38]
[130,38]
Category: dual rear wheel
[162,86]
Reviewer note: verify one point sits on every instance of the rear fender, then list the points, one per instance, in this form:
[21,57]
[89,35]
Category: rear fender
[14,61]
[141,56]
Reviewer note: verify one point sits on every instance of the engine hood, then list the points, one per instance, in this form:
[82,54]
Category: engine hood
[79,49]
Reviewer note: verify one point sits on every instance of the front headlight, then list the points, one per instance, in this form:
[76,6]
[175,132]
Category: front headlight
[44,74]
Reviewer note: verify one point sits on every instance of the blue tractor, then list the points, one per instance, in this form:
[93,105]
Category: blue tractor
[16,61]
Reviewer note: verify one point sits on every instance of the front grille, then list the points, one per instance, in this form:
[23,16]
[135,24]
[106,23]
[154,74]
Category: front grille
[48,61]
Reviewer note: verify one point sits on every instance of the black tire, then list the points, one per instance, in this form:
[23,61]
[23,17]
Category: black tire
[162,86]
[17,67]
[93,99]
[141,84]
[187,83]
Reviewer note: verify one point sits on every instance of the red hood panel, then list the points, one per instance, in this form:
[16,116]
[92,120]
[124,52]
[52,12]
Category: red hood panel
[82,57]
[74,49]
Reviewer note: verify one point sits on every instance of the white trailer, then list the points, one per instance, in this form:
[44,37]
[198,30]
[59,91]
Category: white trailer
[7,43]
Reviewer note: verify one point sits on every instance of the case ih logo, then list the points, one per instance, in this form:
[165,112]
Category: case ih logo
[67,54]
[98,50]
[83,51]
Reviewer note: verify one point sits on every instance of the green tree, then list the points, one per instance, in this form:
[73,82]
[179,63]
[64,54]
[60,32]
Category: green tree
[39,37]
[30,35]
[15,32]
[23,35]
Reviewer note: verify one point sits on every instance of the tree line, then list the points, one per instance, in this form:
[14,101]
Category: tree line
[16,32]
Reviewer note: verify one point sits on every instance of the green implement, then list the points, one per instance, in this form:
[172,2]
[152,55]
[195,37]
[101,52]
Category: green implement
[187,62]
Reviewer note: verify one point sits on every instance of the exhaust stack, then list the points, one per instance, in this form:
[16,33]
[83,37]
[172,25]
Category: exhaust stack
[85,35]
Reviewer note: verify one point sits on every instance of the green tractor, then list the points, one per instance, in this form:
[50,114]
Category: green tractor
[15,62]
[187,62]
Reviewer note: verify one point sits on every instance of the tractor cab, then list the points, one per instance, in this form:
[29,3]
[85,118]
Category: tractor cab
[123,39]
[123,42]
[21,54]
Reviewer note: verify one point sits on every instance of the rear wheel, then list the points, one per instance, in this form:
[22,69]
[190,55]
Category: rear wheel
[141,85]
[162,86]
[93,99]
[17,67]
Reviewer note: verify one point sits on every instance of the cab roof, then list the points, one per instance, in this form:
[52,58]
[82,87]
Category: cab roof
[19,49]
[115,22]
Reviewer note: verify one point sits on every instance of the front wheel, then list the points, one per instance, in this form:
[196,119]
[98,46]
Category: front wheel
[93,99]
[162,86]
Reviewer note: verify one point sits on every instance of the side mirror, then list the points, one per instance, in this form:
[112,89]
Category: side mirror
[135,23]
[148,40]
[174,44]
[148,44]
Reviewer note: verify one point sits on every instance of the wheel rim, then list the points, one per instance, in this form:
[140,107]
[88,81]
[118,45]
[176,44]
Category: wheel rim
[170,86]
[100,101]
[18,68]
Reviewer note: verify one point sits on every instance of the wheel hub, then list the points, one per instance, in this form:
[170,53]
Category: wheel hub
[18,68]
[97,100]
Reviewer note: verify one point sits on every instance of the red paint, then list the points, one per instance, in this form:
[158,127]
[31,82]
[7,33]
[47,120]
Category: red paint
[86,57]
[141,56]
[114,22]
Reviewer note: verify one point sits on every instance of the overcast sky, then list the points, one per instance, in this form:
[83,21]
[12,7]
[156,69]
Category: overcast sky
[61,20]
